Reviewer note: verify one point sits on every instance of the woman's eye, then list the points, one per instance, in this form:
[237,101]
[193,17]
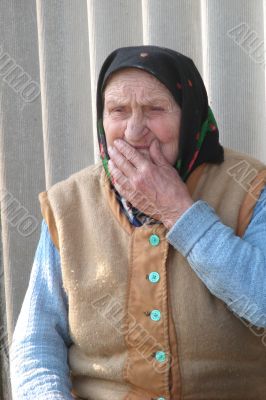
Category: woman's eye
[118,109]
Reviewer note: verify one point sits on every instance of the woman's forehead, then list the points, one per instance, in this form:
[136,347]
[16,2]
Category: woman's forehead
[130,79]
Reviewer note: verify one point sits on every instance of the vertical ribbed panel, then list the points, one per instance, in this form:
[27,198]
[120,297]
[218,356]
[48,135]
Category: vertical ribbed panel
[65,85]
[61,45]
[112,24]
[21,158]
[22,167]
[262,134]
[174,24]
[236,80]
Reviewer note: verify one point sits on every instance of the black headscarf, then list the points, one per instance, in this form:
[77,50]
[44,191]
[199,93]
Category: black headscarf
[199,135]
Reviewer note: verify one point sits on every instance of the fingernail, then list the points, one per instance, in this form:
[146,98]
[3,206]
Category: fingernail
[110,149]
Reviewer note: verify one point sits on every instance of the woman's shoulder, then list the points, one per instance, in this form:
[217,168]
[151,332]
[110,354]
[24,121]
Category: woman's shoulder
[91,171]
[72,182]
[240,166]
[69,192]
[231,155]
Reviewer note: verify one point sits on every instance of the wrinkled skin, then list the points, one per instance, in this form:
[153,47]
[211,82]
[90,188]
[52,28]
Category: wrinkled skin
[139,111]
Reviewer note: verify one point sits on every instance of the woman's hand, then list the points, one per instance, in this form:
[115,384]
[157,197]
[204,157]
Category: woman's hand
[152,186]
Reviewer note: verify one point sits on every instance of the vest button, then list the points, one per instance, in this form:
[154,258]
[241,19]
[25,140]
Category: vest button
[155,315]
[160,356]
[154,277]
[154,240]
[159,398]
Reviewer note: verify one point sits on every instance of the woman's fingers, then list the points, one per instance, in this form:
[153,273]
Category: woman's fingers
[119,178]
[121,162]
[131,154]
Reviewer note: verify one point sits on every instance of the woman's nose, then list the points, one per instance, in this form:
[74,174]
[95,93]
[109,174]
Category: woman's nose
[136,126]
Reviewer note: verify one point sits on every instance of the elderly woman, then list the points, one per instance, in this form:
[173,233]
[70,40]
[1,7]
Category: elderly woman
[142,254]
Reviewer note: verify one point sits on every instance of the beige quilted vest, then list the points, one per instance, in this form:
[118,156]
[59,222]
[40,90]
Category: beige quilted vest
[197,350]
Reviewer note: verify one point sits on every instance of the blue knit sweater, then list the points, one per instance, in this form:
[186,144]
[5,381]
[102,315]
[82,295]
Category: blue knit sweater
[233,268]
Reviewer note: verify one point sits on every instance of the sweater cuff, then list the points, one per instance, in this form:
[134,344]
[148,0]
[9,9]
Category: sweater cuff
[191,226]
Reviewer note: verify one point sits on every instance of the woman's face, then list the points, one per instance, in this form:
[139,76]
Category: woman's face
[139,108]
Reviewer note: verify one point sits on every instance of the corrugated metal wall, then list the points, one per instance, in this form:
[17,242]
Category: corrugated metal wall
[50,56]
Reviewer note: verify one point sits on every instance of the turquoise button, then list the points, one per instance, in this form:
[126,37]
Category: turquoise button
[154,277]
[160,398]
[160,356]
[155,315]
[154,240]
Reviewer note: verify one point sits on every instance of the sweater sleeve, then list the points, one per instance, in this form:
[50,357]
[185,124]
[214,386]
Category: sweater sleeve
[39,349]
[233,268]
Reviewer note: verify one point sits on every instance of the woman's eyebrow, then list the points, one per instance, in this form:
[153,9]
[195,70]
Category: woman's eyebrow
[113,101]
[157,100]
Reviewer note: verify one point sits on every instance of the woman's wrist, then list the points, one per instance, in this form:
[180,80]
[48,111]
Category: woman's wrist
[170,217]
